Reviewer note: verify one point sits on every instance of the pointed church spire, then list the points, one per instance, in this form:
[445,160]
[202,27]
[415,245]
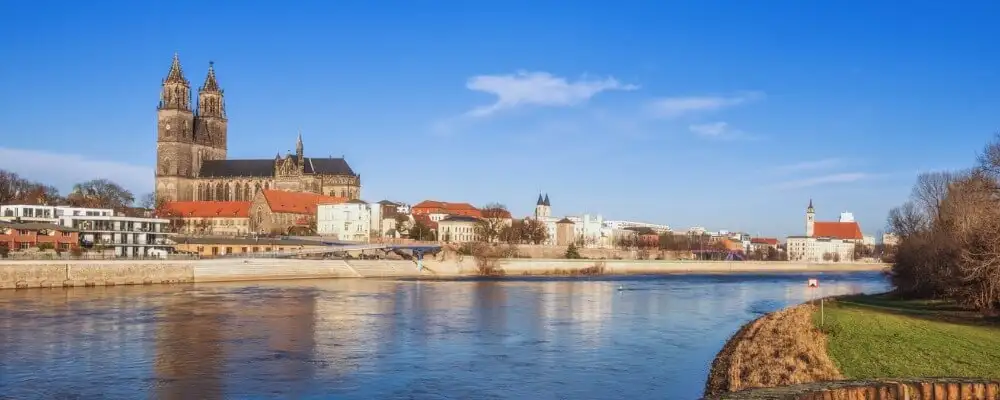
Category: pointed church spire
[540,202]
[176,73]
[547,200]
[210,85]
[810,208]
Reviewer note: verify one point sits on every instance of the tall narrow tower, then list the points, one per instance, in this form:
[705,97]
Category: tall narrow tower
[810,219]
[174,135]
[212,125]
[543,208]
[300,153]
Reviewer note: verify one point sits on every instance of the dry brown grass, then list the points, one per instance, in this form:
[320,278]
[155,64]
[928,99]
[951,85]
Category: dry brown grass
[781,348]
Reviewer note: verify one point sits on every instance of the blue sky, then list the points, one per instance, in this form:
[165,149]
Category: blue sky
[727,115]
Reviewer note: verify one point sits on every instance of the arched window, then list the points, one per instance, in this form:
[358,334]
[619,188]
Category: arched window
[267,186]
[256,188]
[227,195]
[219,190]
[238,193]
[247,196]
[343,193]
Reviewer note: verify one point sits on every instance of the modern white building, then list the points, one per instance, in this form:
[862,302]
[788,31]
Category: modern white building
[351,220]
[128,236]
[617,224]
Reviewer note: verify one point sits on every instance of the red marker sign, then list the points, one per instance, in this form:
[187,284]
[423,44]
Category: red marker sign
[813,283]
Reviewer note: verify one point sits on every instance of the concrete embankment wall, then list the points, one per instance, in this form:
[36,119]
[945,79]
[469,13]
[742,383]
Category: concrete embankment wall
[53,273]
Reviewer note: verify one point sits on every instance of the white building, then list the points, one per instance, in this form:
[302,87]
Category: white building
[457,229]
[810,249]
[351,220]
[128,236]
[825,241]
[617,225]
[589,229]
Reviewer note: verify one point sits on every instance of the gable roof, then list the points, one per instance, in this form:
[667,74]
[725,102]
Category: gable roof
[280,201]
[233,168]
[441,207]
[208,209]
[265,168]
[768,241]
[839,230]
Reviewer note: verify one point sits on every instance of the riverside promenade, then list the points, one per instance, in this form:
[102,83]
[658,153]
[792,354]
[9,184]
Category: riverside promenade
[68,273]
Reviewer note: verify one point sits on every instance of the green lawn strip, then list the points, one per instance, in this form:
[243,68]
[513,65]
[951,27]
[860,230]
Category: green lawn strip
[871,341]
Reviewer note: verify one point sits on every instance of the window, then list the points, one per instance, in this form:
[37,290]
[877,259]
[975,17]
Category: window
[268,249]
[215,251]
[229,250]
[201,249]
[24,245]
[64,246]
[256,249]
[243,249]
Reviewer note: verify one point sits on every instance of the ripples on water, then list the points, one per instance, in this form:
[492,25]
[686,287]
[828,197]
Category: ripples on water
[372,339]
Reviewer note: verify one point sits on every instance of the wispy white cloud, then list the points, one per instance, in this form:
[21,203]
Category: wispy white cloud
[839,178]
[537,89]
[674,107]
[711,129]
[65,170]
[810,165]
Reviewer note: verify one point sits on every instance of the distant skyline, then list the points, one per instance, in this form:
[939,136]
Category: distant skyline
[715,114]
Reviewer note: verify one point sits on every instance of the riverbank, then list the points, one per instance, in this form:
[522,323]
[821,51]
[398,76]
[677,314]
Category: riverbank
[863,337]
[59,273]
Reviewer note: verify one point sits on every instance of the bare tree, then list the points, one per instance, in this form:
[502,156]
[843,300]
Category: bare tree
[100,193]
[147,201]
[930,191]
[494,219]
[534,231]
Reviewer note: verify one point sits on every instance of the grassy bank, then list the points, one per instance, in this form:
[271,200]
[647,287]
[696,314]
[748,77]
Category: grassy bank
[881,337]
[778,349]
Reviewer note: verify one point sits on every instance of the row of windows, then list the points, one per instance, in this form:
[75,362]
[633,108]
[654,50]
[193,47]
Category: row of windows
[229,250]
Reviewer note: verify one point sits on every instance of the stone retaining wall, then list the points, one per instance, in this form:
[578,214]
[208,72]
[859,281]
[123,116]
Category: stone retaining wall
[56,273]
[881,389]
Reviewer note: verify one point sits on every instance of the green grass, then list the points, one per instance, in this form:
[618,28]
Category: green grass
[878,337]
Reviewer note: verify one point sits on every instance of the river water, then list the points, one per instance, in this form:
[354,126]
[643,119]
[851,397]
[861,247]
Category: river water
[385,339]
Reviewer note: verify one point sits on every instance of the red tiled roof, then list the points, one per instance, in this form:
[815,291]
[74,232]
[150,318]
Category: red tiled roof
[443,205]
[838,230]
[281,201]
[426,220]
[207,209]
[768,241]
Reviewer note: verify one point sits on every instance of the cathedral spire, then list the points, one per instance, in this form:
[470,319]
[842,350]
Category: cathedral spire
[300,149]
[176,91]
[176,73]
[210,85]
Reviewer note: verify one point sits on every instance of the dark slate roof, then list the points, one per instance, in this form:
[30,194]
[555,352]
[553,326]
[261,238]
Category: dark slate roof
[328,166]
[460,218]
[388,203]
[233,168]
[265,168]
[565,221]
[540,202]
[357,201]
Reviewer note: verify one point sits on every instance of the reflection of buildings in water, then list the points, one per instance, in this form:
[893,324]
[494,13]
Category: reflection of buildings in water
[489,300]
[582,308]
[351,326]
[190,356]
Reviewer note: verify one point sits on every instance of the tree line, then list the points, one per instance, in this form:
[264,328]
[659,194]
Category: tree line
[949,235]
[96,193]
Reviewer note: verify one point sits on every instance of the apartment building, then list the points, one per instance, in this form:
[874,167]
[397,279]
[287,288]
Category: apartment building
[127,236]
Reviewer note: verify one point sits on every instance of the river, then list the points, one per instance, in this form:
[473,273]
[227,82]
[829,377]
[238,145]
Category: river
[386,339]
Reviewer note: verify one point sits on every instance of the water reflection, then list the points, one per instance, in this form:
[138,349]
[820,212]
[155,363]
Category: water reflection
[386,339]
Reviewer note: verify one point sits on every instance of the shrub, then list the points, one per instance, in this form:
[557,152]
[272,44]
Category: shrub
[4,250]
[572,252]
[76,251]
[45,246]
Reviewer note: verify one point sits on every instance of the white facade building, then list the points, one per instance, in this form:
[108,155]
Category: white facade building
[351,220]
[617,224]
[810,249]
[458,229]
[590,229]
[128,236]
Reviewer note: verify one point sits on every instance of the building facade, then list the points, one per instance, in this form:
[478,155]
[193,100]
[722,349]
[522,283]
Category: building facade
[457,229]
[127,236]
[277,211]
[226,218]
[825,241]
[351,220]
[23,236]
[191,147]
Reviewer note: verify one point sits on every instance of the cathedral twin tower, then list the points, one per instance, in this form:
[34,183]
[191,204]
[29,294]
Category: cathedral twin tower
[191,159]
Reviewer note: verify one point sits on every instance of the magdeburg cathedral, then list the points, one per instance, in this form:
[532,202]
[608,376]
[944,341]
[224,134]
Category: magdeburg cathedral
[191,159]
